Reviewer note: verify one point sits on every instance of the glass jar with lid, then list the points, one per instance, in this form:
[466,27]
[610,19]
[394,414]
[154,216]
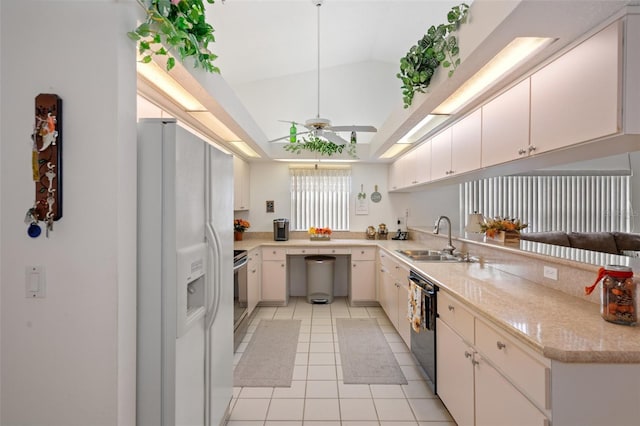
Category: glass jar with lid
[617,294]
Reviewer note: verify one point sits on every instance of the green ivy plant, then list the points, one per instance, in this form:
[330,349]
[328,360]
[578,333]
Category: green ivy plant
[323,147]
[177,26]
[437,47]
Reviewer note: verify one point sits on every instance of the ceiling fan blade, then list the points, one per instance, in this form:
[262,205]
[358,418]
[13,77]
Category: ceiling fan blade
[287,137]
[332,137]
[353,129]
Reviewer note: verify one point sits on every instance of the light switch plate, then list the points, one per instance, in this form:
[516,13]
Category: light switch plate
[34,282]
[551,273]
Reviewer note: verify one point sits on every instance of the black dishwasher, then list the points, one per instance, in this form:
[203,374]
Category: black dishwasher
[423,342]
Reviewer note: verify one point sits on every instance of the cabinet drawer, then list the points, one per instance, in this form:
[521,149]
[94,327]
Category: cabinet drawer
[302,250]
[334,250]
[363,253]
[270,253]
[456,316]
[521,368]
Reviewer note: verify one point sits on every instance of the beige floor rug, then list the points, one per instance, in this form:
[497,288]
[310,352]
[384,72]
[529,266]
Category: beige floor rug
[269,358]
[366,356]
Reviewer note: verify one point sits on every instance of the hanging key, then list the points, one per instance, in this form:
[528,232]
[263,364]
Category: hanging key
[49,226]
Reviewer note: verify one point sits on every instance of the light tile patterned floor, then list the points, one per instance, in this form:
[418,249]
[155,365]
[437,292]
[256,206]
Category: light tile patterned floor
[318,396]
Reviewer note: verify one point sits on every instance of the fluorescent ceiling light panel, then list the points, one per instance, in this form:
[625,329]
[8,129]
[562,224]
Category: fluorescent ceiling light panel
[245,148]
[508,58]
[426,125]
[395,150]
[212,122]
[311,160]
[163,81]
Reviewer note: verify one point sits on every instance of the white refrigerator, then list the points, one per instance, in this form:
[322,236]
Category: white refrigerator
[185,278]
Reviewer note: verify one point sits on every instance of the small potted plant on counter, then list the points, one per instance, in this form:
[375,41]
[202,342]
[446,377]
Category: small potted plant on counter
[239,226]
[503,230]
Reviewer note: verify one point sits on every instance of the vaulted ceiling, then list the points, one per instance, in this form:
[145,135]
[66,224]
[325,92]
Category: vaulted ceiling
[268,55]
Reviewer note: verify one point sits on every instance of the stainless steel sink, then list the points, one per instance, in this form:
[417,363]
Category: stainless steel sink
[429,256]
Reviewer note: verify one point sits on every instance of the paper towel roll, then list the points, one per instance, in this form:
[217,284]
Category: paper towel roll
[474,222]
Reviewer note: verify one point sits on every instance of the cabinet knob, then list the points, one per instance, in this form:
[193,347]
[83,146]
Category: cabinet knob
[333,251]
[474,362]
[532,148]
[500,345]
[361,251]
[451,308]
[282,265]
[304,251]
[467,354]
[253,271]
[522,151]
[274,252]
[354,265]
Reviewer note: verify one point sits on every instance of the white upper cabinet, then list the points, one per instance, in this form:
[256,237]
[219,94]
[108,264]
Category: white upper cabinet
[413,168]
[457,149]
[241,184]
[505,126]
[441,155]
[422,163]
[466,136]
[576,98]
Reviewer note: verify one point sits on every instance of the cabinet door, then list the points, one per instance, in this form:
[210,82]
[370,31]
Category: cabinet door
[498,403]
[455,374]
[441,154]
[395,175]
[422,163]
[576,98]
[363,281]
[388,292]
[274,281]
[254,275]
[465,143]
[400,175]
[505,126]
[404,326]
[241,184]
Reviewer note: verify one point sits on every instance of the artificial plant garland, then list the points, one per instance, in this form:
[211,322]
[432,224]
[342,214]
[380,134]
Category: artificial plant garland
[437,47]
[176,26]
[314,144]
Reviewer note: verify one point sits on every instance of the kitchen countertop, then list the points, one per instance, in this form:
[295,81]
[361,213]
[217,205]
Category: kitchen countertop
[559,326]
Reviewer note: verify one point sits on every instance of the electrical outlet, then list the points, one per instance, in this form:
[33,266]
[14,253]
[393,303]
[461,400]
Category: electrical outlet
[551,273]
[270,206]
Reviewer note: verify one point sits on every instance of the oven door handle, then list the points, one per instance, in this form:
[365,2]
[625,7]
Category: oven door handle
[240,264]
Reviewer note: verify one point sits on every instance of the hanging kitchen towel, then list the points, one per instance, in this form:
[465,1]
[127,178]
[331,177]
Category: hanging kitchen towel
[414,305]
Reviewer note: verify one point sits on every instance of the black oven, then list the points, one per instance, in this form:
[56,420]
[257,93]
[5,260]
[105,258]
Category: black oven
[423,343]
[240,260]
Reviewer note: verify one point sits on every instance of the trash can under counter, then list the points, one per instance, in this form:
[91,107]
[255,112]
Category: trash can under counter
[320,278]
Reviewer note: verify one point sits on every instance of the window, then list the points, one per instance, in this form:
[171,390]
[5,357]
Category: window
[553,203]
[320,198]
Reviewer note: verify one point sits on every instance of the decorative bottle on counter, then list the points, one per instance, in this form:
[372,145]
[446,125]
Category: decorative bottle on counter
[617,295]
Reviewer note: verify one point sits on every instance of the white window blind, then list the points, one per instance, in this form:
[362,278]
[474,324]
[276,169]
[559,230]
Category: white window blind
[320,198]
[553,203]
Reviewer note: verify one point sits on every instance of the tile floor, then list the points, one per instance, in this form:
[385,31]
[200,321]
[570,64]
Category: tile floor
[318,396]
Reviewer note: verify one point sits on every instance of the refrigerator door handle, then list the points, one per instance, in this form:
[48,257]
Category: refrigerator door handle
[214,274]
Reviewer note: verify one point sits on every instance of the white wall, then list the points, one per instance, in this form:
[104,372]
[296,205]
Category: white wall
[270,181]
[69,359]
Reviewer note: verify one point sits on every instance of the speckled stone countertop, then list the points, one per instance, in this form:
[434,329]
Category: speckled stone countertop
[559,326]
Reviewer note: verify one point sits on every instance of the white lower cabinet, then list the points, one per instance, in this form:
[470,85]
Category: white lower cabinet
[484,377]
[363,281]
[254,279]
[498,403]
[455,374]
[274,276]
[393,294]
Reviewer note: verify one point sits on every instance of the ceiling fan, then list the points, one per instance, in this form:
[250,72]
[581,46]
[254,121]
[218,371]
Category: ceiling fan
[318,126]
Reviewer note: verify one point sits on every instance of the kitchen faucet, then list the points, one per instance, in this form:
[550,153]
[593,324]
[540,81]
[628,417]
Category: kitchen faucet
[436,229]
